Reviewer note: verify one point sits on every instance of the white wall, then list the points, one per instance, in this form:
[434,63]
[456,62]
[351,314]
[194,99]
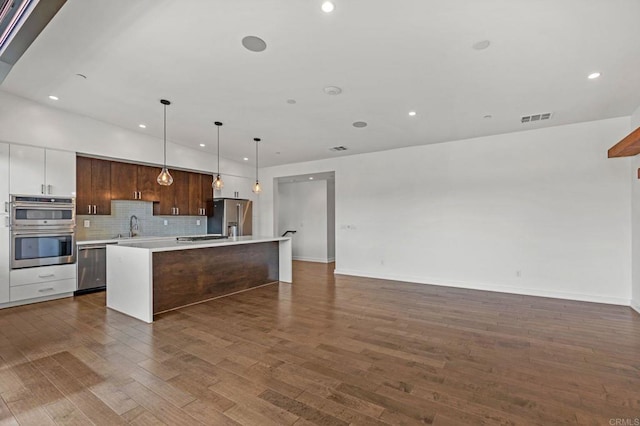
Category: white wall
[635,119]
[303,208]
[331,220]
[635,220]
[544,204]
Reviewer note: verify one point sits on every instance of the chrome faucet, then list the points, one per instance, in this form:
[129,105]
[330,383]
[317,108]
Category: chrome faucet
[133,225]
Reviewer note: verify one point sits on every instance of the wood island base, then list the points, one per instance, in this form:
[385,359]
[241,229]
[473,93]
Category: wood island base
[148,278]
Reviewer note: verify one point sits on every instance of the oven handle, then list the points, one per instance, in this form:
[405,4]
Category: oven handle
[49,233]
[43,206]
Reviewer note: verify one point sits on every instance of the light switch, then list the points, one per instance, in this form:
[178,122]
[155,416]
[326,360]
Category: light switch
[198,222]
[166,222]
[87,223]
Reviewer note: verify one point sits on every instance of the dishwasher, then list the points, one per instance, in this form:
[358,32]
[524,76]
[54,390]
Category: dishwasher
[92,268]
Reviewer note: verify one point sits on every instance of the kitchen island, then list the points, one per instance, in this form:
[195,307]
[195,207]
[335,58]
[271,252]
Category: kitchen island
[151,277]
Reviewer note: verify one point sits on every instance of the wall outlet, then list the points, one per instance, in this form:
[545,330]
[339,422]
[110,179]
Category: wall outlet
[166,222]
[86,223]
[198,222]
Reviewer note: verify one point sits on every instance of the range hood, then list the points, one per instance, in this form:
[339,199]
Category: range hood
[21,21]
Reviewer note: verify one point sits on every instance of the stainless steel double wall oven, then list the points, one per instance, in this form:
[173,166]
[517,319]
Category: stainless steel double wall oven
[42,231]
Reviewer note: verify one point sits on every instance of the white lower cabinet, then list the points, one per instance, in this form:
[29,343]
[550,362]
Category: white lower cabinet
[30,283]
[4,261]
[50,288]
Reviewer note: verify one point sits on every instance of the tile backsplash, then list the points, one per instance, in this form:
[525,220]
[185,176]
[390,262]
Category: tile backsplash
[103,227]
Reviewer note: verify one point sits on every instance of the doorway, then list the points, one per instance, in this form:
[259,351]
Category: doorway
[306,206]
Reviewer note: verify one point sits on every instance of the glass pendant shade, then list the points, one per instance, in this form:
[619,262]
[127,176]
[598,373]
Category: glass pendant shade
[257,188]
[217,183]
[165,178]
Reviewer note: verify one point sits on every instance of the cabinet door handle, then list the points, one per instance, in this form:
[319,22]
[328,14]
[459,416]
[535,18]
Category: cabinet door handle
[135,195]
[47,276]
[139,195]
[95,209]
[177,210]
[6,207]
[89,208]
[44,290]
[49,189]
[42,188]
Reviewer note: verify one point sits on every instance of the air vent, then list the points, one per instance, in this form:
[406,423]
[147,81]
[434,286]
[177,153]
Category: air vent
[338,148]
[535,117]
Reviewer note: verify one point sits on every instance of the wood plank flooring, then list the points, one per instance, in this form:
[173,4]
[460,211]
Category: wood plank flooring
[324,351]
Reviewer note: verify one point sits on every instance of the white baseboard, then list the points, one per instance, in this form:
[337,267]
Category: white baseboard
[312,259]
[635,305]
[491,287]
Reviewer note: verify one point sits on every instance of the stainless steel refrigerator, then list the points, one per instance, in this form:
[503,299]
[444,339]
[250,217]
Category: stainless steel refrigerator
[231,217]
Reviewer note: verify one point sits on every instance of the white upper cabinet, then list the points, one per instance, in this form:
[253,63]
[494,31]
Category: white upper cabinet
[60,172]
[235,187]
[41,171]
[26,167]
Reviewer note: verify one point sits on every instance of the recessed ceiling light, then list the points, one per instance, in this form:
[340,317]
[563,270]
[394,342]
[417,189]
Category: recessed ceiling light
[245,159]
[360,124]
[202,145]
[311,178]
[481,45]
[488,116]
[53,98]
[327,7]
[593,75]
[142,126]
[412,113]
[291,101]
[254,44]
[332,90]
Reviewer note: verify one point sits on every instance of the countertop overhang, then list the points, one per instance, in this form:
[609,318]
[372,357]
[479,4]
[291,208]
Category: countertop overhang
[173,244]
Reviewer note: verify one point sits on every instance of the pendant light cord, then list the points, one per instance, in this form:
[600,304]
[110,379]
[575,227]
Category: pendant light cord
[218,150]
[256,161]
[165,136]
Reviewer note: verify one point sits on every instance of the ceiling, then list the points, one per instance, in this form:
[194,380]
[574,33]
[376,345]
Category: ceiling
[388,57]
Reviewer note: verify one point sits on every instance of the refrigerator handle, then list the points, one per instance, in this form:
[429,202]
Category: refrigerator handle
[239,217]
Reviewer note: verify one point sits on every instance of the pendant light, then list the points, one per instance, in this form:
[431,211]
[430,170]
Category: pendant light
[217,183]
[256,187]
[165,178]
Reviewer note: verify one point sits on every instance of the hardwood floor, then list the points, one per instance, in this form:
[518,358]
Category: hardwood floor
[323,351]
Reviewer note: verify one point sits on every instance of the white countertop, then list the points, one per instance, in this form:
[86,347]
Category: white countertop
[126,240]
[171,244]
